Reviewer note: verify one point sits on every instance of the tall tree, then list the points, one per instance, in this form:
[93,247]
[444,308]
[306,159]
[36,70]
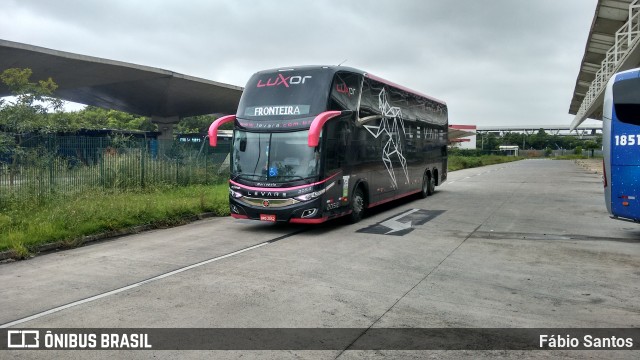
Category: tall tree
[32,102]
[27,112]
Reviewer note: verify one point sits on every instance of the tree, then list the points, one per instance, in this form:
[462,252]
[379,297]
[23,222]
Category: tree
[195,124]
[28,112]
[31,104]
[592,146]
[92,117]
[539,140]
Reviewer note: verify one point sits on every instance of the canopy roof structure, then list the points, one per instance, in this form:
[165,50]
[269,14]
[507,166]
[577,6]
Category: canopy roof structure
[110,84]
[612,46]
[460,131]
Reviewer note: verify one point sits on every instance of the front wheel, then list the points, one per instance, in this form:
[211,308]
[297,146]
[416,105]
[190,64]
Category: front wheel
[357,206]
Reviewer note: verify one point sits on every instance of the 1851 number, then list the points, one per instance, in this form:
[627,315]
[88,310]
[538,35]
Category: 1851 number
[627,140]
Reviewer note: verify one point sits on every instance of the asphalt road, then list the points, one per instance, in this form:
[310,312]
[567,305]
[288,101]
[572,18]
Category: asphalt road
[520,245]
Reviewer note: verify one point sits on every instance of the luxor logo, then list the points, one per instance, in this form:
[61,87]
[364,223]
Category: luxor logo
[344,89]
[281,80]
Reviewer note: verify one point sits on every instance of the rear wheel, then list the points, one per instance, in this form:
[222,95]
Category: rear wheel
[431,186]
[425,185]
[357,205]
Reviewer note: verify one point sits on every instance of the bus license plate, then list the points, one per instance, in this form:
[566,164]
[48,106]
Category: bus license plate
[267,217]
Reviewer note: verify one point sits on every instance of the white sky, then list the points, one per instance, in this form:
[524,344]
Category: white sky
[495,62]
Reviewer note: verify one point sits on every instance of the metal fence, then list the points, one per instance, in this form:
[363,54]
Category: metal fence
[44,165]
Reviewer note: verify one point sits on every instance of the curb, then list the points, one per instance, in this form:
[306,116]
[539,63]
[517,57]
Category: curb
[10,255]
[589,166]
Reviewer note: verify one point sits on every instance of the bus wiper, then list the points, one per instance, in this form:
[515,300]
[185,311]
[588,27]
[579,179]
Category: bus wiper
[246,175]
[297,177]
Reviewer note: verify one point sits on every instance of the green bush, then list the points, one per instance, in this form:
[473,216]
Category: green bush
[464,162]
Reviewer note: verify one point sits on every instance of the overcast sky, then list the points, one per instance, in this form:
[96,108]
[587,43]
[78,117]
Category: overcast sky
[495,62]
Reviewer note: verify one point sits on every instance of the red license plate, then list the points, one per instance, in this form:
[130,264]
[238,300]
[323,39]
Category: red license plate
[267,217]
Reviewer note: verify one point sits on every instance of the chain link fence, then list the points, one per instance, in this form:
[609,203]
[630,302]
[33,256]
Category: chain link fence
[61,164]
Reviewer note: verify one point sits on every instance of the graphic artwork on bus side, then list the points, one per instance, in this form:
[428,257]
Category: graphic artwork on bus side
[390,125]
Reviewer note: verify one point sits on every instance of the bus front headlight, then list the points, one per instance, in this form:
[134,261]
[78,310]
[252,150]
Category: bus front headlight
[235,194]
[311,195]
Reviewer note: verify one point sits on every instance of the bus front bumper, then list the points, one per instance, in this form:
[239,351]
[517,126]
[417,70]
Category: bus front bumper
[308,212]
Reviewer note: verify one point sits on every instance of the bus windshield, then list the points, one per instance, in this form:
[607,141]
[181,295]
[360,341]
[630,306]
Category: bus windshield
[274,156]
[284,95]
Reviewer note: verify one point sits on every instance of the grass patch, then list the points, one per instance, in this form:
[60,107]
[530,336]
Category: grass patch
[457,162]
[574,157]
[68,218]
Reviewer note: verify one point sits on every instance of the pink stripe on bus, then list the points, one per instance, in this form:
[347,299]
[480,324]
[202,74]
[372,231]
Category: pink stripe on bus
[282,189]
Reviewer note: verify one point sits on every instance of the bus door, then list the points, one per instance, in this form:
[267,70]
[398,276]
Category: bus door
[625,149]
[337,137]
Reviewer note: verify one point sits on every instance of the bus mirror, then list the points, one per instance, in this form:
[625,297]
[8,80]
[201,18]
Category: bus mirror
[317,124]
[213,129]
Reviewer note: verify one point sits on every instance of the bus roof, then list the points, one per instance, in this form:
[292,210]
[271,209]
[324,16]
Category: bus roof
[334,69]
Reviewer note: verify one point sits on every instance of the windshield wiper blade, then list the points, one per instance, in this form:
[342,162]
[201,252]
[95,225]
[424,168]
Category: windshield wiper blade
[247,176]
[308,180]
[291,176]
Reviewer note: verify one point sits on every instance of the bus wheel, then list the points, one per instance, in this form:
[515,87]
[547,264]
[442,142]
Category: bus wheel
[425,185]
[357,205]
[431,187]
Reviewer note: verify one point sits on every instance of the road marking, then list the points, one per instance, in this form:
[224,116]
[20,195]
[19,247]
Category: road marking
[410,219]
[395,225]
[143,282]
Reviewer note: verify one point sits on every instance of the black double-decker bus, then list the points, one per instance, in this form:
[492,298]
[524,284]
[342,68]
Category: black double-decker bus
[318,142]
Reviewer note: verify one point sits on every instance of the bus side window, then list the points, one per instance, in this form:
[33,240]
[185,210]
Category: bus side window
[369,100]
[345,91]
[336,145]
[626,100]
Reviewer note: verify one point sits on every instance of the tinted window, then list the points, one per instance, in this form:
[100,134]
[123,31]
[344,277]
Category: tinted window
[626,100]
[274,156]
[369,101]
[338,136]
[345,91]
[413,107]
[284,95]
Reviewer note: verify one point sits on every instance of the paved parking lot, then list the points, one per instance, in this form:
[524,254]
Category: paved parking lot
[524,245]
